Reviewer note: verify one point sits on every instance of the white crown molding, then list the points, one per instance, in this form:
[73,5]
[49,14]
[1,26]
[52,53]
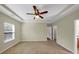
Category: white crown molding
[5,10]
[69,9]
[64,13]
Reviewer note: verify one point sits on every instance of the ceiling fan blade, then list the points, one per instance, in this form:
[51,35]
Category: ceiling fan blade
[41,17]
[37,11]
[35,8]
[44,12]
[30,13]
[34,18]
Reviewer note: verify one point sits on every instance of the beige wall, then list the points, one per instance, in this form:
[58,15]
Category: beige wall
[4,18]
[66,32]
[34,31]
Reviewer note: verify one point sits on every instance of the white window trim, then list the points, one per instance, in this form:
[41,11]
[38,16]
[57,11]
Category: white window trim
[8,40]
[13,31]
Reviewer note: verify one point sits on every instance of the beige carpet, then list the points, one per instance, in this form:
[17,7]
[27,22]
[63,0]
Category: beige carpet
[47,47]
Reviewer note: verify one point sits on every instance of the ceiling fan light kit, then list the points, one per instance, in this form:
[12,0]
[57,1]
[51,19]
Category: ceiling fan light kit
[37,16]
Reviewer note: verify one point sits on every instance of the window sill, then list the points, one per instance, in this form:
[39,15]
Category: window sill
[8,40]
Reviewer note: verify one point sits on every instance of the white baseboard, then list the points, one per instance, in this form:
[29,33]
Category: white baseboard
[28,40]
[8,47]
[34,40]
[65,47]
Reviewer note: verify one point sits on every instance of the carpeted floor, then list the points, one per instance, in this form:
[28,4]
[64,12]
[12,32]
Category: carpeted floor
[37,47]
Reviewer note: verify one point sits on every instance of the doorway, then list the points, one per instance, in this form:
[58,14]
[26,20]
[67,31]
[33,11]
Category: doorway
[49,32]
[55,33]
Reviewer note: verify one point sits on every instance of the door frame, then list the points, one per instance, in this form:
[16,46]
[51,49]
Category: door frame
[75,38]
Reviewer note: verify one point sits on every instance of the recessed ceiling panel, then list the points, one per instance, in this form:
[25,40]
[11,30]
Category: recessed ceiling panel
[22,9]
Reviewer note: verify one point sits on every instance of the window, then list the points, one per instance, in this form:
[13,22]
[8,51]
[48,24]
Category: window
[9,32]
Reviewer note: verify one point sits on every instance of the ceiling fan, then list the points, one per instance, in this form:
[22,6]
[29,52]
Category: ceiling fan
[37,13]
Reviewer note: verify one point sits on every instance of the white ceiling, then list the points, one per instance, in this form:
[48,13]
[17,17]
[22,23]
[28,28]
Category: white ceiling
[53,10]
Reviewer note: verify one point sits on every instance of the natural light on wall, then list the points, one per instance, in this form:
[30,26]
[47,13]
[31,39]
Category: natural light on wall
[9,32]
